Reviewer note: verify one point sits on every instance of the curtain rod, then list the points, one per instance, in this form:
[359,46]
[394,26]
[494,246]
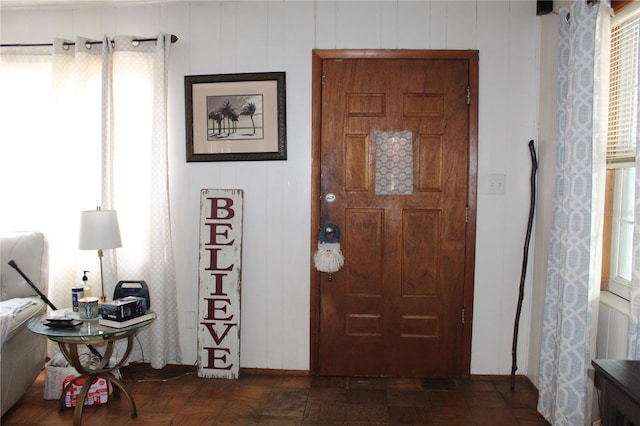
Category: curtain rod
[174,39]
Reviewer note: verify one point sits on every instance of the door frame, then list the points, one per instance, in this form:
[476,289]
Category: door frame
[318,56]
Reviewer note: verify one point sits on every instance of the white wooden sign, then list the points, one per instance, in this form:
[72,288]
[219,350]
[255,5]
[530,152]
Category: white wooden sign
[219,272]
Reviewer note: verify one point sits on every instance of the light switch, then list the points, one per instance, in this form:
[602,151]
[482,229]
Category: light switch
[497,184]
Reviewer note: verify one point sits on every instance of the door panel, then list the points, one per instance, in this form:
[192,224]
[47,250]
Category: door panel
[420,255]
[364,274]
[394,138]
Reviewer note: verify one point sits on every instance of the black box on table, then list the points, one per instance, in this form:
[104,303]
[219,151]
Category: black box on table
[124,309]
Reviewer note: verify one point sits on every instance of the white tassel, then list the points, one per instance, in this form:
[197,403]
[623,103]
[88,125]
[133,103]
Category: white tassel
[328,257]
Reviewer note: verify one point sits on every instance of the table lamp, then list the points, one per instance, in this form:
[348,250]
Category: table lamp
[99,230]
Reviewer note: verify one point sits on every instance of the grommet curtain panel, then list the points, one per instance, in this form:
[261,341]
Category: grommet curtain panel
[573,272]
[97,136]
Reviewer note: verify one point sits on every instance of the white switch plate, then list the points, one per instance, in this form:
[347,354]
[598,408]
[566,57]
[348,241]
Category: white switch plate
[497,184]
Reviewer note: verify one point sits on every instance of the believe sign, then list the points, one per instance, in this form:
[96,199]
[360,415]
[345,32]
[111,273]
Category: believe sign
[219,283]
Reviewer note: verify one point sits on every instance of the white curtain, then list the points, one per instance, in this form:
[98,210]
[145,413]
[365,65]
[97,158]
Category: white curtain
[95,135]
[573,273]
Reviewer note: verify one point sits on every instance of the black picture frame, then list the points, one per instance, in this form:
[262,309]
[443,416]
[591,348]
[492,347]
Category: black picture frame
[236,117]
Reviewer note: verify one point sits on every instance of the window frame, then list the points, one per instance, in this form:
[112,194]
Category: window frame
[613,215]
[618,284]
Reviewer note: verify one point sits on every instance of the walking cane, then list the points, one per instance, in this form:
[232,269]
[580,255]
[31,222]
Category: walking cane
[13,264]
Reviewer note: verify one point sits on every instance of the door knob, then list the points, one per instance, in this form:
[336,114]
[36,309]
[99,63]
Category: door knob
[330,197]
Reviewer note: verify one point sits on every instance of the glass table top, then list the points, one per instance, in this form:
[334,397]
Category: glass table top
[89,328]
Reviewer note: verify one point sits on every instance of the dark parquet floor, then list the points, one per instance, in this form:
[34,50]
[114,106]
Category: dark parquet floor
[176,396]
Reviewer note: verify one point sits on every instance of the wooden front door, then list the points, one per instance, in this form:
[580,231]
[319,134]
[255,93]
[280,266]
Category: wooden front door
[394,165]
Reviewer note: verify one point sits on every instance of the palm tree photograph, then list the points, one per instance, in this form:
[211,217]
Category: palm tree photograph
[237,117]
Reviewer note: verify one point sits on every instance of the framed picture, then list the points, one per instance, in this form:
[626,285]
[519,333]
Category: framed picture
[236,117]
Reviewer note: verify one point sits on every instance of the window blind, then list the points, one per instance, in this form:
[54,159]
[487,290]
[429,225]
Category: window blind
[623,94]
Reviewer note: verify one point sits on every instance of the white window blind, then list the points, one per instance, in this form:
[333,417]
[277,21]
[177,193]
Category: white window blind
[623,93]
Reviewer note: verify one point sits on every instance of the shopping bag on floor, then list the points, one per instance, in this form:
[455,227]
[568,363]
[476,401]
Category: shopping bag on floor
[98,392]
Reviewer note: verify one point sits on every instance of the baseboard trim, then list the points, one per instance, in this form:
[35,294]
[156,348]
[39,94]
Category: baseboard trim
[274,372]
[248,371]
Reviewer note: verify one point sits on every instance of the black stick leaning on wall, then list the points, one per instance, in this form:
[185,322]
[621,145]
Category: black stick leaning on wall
[532,207]
[13,264]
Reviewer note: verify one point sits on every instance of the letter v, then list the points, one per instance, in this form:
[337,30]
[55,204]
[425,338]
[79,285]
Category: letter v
[214,334]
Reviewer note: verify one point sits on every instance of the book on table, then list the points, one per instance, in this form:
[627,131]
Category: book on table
[122,324]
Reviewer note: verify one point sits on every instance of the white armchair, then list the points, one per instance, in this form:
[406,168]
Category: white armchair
[23,353]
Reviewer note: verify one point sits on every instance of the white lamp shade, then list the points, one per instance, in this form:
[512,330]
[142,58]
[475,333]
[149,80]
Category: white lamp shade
[99,230]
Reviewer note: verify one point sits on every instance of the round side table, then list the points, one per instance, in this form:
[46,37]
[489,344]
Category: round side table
[91,332]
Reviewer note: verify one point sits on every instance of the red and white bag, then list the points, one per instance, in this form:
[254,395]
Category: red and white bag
[98,392]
